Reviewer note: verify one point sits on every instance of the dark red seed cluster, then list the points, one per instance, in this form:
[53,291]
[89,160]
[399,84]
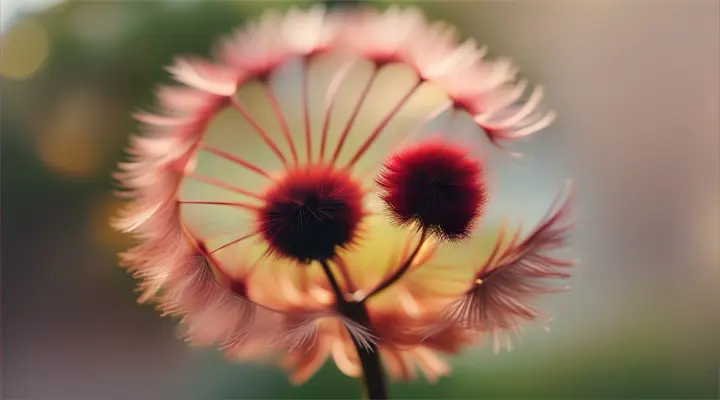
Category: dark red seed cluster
[310,213]
[435,185]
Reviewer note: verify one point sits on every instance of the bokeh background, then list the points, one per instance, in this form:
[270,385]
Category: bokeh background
[636,84]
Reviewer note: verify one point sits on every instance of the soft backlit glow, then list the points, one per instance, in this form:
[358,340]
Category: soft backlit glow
[25,48]
[73,156]
[69,143]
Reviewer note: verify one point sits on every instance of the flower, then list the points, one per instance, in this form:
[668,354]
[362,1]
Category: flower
[435,185]
[485,89]
[307,290]
[499,299]
[276,241]
[311,212]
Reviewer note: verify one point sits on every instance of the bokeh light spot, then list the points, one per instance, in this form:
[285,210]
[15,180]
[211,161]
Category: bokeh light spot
[71,142]
[103,234]
[25,49]
[72,156]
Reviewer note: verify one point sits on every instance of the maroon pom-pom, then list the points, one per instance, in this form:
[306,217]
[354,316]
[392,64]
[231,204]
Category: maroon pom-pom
[310,213]
[435,185]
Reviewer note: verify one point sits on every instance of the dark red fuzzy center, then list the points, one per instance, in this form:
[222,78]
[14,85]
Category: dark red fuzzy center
[435,185]
[310,213]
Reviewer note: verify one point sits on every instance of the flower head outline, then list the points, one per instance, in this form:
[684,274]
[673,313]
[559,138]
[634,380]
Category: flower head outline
[305,295]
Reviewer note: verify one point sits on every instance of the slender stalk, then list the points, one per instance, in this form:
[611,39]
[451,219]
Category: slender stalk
[345,275]
[237,204]
[403,268]
[373,374]
[383,124]
[333,282]
[224,185]
[306,111]
[259,129]
[238,240]
[283,123]
[353,115]
[330,102]
[236,160]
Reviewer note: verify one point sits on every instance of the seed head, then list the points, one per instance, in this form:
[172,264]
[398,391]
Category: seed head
[435,185]
[310,213]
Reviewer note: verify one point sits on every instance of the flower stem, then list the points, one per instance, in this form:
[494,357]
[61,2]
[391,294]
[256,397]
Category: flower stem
[373,374]
[403,268]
